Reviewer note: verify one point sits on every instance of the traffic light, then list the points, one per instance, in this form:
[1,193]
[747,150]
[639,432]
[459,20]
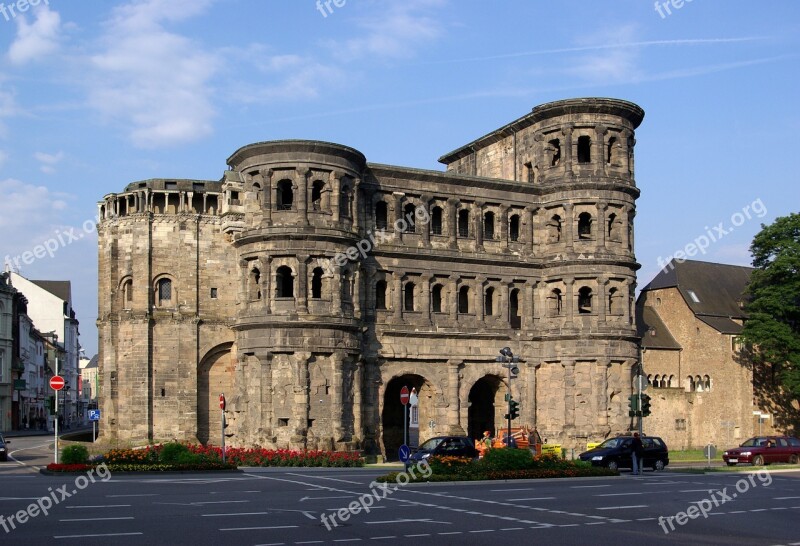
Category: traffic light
[633,405]
[645,405]
[513,406]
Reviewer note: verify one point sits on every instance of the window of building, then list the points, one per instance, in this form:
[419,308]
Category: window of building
[285,195]
[257,191]
[463,299]
[584,225]
[488,225]
[381,215]
[555,302]
[693,296]
[680,424]
[706,383]
[436,298]
[488,302]
[409,217]
[255,284]
[611,227]
[127,293]
[513,228]
[585,300]
[584,149]
[283,421]
[316,194]
[555,150]
[610,150]
[344,203]
[463,223]
[380,294]
[436,220]
[213,294]
[408,296]
[529,172]
[513,309]
[614,302]
[554,229]
[284,282]
[316,283]
[164,292]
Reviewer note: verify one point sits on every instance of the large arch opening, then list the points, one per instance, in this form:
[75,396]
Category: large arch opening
[214,377]
[392,417]
[485,405]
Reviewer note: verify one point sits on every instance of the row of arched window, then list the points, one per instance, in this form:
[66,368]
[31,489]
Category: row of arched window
[694,383]
[163,294]
[321,195]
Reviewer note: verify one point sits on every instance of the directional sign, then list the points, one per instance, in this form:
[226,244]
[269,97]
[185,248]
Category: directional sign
[404,453]
[222,401]
[56,382]
[404,395]
[94,415]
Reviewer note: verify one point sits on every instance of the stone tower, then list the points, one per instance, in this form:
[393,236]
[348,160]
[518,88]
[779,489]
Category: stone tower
[309,286]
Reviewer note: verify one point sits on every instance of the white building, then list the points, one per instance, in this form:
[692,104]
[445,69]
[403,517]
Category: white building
[50,308]
[89,381]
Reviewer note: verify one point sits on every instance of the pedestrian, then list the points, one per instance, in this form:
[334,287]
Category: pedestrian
[637,452]
[487,439]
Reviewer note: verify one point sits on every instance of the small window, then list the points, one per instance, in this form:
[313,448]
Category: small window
[436,220]
[513,228]
[584,149]
[693,296]
[436,298]
[164,292]
[284,283]
[610,150]
[463,223]
[316,283]
[254,284]
[127,294]
[285,195]
[283,421]
[316,194]
[463,299]
[488,225]
[381,215]
[408,297]
[555,151]
[489,302]
[513,309]
[554,229]
[345,200]
[555,302]
[409,217]
[213,293]
[585,226]
[380,294]
[529,176]
[585,300]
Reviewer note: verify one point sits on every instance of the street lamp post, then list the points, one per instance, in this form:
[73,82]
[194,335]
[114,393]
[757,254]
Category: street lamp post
[509,361]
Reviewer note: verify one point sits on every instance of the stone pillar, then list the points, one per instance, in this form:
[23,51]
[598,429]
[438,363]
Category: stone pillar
[452,221]
[504,228]
[357,282]
[505,303]
[397,279]
[425,229]
[267,410]
[598,157]
[336,292]
[398,215]
[528,307]
[569,393]
[601,303]
[358,385]
[569,225]
[371,404]
[600,236]
[266,176]
[531,217]
[302,283]
[244,280]
[454,302]
[369,287]
[356,205]
[531,395]
[566,148]
[337,396]
[569,304]
[480,299]
[302,194]
[478,210]
[425,299]
[600,383]
[301,399]
[335,180]
[454,403]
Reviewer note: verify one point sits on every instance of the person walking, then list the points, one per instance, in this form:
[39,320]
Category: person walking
[637,453]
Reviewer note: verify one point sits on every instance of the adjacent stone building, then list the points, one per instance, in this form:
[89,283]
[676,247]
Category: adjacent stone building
[309,286]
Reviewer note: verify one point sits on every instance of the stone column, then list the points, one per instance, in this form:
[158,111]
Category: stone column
[531,217]
[337,396]
[480,299]
[356,205]
[601,303]
[267,415]
[600,382]
[531,397]
[357,281]
[600,237]
[425,299]
[301,399]
[566,148]
[505,302]
[244,281]
[302,283]
[454,403]
[358,385]
[504,228]
[452,221]
[302,194]
[598,157]
[425,229]
[569,304]
[478,210]
[528,307]
[454,303]
[397,279]
[569,393]
[336,292]
[369,287]
[569,225]
[398,215]
[335,180]
[266,175]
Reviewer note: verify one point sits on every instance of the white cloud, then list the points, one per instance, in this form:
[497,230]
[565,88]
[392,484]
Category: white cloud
[398,30]
[154,82]
[3,157]
[35,40]
[615,60]
[48,161]
[26,207]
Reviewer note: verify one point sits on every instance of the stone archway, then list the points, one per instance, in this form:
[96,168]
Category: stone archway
[215,375]
[392,415]
[485,404]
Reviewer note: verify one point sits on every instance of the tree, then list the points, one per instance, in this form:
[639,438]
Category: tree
[773,326]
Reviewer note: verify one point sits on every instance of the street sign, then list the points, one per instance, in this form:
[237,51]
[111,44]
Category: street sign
[404,453]
[404,395]
[56,382]
[222,401]
[94,415]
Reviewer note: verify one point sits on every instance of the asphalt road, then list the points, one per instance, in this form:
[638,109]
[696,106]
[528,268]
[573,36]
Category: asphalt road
[286,506]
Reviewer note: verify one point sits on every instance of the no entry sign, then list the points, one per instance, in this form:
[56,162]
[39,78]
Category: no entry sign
[404,395]
[222,401]
[56,382]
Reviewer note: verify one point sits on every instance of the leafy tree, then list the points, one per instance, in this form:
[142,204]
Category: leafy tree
[773,327]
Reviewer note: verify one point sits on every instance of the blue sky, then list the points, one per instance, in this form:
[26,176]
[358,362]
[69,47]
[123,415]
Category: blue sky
[94,95]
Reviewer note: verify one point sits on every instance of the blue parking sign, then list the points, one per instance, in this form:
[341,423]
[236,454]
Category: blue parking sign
[94,415]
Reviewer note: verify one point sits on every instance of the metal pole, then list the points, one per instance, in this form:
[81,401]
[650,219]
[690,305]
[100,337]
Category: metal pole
[94,431]
[223,436]
[405,424]
[55,423]
[641,413]
[508,438]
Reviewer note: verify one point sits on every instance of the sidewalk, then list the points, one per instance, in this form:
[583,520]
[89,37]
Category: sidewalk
[31,432]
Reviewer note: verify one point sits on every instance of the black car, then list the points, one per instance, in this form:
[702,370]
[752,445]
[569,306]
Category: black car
[457,446]
[616,452]
[3,448]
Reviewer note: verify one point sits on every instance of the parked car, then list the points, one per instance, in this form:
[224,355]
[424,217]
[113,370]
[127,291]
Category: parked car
[616,452]
[458,446]
[761,450]
[3,448]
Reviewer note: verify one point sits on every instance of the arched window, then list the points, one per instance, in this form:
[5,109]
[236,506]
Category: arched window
[706,383]
[344,202]
[585,300]
[513,309]
[254,284]
[436,220]
[584,149]
[554,229]
[614,302]
[611,228]
[410,219]
[488,302]
[585,225]
[316,194]
[610,150]
[127,293]
[690,384]
[671,381]
[408,296]
[488,225]
[657,382]
[285,195]
[257,191]
[164,292]
[347,287]
[284,282]
[436,298]
[316,283]
[381,215]
[698,384]
[463,299]
[463,223]
[555,151]
[380,294]
[513,228]
[555,302]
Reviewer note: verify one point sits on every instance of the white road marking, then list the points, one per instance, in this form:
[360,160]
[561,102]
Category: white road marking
[383,538]
[326,498]
[622,507]
[100,506]
[407,521]
[97,519]
[139,495]
[531,499]
[19,498]
[230,492]
[618,494]
[586,486]
[786,498]
[260,528]
[324,478]
[235,514]
[103,535]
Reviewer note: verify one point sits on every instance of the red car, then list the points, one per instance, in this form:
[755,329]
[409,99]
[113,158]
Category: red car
[761,450]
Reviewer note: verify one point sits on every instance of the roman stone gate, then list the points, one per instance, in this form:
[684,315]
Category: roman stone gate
[215,375]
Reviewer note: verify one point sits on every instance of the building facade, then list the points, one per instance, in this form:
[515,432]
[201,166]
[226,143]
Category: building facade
[310,286]
[7,294]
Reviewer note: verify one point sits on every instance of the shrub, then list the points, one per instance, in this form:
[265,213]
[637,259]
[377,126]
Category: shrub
[74,454]
[175,453]
[507,459]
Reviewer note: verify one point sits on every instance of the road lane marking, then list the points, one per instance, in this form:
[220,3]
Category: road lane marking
[19,498]
[347,540]
[407,521]
[786,498]
[100,506]
[97,519]
[586,486]
[691,491]
[230,492]
[531,499]
[618,494]
[383,538]
[235,514]
[260,528]
[103,535]
[139,495]
[324,478]
[622,507]
[326,498]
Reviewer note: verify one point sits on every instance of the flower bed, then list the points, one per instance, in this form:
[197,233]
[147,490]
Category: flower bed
[257,456]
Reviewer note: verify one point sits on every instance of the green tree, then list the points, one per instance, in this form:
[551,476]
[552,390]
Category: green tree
[773,326]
